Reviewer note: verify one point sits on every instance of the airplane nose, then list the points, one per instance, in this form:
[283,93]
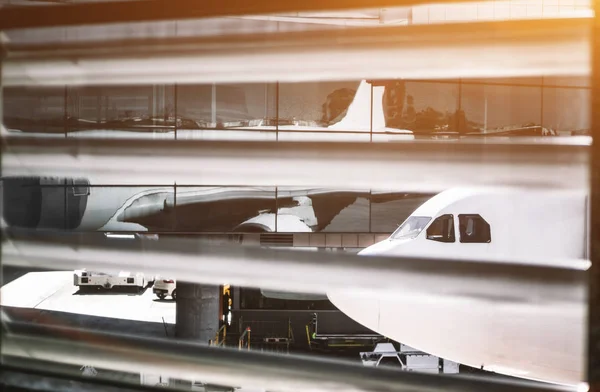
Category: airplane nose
[386,247]
[375,249]
[368,251]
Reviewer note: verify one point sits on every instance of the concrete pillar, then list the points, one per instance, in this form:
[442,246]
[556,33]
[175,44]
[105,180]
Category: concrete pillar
[197,311]
[196,318]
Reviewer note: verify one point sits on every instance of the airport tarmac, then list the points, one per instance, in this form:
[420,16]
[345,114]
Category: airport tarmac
[53,297]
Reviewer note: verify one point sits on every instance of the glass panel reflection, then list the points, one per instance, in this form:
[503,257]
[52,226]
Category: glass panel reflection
[121,112]
[326,111]
[361,111]
[139,209]
[322,210]
[567,110]
[35,111]
[419,106]
[315,104]
[389,209]
[226,112]
[77,204]
[492,108]
[223,209]
[105,112]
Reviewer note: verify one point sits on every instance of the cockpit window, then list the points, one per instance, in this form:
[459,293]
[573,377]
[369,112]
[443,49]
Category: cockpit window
[442,229]
[411,227]
[474,229]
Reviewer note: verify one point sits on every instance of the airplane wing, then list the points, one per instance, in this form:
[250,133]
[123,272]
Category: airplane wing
[78,204]
[222,209]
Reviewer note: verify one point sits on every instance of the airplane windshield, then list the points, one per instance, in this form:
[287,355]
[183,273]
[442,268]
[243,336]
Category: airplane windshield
[411,227]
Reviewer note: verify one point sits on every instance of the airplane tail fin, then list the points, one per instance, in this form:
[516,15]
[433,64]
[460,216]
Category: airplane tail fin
[358,115]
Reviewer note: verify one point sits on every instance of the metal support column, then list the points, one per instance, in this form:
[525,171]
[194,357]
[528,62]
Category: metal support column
[371,117]
[213,105]
[66,205]
[158,102]
[277,111]
[175,108]
[542,104]
[459,107]
[2,55]
[593,355]
[370,213]
[174,220]
[98,105]
[66,111]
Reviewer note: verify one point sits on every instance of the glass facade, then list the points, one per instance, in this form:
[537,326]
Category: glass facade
[359,110]
[79,204]
[379,111]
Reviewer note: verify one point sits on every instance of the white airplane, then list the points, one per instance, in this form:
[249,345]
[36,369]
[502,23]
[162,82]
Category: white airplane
[543,339]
